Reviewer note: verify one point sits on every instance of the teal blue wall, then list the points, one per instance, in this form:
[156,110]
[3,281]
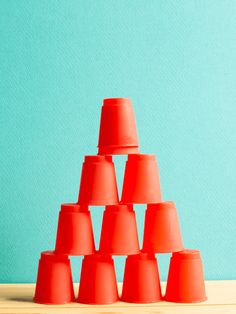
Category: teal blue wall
[175,59]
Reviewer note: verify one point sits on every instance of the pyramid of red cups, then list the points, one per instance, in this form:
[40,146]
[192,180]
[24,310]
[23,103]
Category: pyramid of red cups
[119,234]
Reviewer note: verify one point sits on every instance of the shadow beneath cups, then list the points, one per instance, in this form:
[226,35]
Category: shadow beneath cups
[26,299]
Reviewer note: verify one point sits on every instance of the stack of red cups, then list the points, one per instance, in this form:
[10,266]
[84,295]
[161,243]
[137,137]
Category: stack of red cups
[119,235]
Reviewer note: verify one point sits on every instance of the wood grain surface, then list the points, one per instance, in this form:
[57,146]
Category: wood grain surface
[17,298]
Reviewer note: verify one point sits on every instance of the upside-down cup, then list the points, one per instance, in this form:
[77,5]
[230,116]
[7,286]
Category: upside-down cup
[98,181]
[119,234]
[141,180]
[185,282]
[54,281]
[98,280]
[161,229]
[74,232]
[118,133]
[141,279]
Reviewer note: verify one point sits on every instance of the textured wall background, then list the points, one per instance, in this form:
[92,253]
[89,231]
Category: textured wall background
[174,59]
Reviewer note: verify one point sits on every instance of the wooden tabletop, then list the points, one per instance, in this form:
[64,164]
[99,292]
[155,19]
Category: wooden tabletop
[17,298]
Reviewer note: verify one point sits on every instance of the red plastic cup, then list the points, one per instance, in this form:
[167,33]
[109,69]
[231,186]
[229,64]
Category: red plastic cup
[161,229]
[54,282]
[98,181]
[119,234]
[185,282]
[141,180]
[98,280]
[141,279]
[118,133]
[74,232]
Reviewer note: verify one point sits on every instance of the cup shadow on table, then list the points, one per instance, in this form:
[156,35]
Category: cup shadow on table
[26,299]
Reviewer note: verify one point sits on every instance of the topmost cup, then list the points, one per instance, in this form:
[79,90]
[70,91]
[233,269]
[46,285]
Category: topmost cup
[118,133]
